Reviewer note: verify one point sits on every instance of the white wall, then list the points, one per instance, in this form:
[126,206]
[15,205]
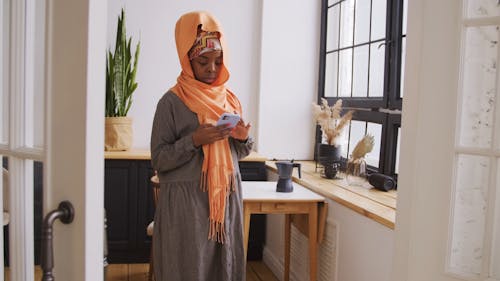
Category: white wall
[273,67]
[289,77]
[355,248]
[153,22]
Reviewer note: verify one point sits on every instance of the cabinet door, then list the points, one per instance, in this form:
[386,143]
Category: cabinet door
[255,171]
[145,209]
[120,203]
[129,207]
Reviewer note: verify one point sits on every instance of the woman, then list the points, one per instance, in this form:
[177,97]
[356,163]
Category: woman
[198,222]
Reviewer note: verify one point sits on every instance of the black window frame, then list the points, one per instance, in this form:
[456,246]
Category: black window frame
[385,110]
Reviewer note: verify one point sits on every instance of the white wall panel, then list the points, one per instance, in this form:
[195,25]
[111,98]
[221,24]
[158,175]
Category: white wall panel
[153,23]
[288,78]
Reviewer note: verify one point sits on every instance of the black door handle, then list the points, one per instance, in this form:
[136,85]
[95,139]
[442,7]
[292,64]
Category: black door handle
[66,213]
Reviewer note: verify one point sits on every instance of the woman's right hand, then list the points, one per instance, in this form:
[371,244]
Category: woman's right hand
[208,133]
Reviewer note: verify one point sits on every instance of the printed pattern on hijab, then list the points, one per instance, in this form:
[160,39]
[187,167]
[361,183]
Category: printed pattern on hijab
[205,42]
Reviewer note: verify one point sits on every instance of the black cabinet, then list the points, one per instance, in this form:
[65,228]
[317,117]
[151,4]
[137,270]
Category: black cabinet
[128,201]
[255,171]
[129,209]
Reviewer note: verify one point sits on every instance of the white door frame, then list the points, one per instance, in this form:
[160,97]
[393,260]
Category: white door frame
[72,149]
[76,52]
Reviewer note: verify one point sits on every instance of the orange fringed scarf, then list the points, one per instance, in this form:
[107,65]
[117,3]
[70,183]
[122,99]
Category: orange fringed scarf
[208,102]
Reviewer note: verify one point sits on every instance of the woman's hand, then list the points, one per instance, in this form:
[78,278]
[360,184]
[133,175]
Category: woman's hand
[240,131]
[208,133]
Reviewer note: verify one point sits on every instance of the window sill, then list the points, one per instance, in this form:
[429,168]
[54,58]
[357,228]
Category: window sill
[377,205]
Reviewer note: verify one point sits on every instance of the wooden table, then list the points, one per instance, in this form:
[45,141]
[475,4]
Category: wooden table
[260,197]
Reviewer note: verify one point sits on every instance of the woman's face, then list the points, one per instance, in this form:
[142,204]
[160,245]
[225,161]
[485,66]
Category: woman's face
[206,67]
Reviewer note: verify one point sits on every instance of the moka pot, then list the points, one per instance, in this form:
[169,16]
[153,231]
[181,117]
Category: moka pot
[285,169]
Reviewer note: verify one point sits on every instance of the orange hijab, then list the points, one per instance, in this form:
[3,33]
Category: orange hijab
[208,102]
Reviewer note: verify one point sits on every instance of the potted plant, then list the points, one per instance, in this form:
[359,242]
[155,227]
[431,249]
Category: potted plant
[332,123]
[120,85]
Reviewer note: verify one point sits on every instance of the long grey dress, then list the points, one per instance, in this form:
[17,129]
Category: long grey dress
[182,251]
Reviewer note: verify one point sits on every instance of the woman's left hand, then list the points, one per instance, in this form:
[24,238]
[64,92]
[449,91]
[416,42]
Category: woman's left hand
[241,131]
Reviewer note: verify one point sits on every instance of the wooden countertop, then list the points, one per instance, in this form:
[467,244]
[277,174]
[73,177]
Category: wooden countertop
[377,205]
[254,157]
[134,154]
[138,154]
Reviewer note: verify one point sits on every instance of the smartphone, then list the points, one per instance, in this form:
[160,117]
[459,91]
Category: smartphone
[228,118]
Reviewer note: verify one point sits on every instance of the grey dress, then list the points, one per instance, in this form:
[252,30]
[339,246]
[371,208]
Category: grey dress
[181,249]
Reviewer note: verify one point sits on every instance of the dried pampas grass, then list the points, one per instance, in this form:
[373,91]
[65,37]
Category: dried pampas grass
[364,146]
[329,119]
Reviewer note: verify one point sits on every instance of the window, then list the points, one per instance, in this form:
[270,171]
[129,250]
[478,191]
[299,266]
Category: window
[474,248]
[362,57]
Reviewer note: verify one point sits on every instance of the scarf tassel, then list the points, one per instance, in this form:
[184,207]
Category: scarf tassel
[217,207]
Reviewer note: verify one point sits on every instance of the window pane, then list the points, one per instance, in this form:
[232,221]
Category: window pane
[379,8]
[362,26]
[396,167]
[403,64]
[479,88]
[373,157]
[346,23]
[345,73]
[332,33]
[38,206]
[343,141]
[469,214]
[357,132]
[4,71]
[331,2]
[405,15]
[32,196]
[360,72]
[377,60]
[34,94]
[331,71]
[482,8]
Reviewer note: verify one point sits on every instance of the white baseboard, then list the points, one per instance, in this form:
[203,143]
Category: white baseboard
[277,266]
[274,264]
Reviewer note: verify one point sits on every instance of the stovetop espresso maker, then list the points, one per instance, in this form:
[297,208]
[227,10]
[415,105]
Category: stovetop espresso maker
[285,169]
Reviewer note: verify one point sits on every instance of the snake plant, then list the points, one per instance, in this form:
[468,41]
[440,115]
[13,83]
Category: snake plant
[120,73]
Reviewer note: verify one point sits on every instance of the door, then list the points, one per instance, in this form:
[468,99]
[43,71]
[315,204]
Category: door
[448,218]
[52,111]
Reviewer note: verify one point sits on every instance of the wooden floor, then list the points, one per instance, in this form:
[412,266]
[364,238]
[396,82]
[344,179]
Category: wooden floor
[256,271]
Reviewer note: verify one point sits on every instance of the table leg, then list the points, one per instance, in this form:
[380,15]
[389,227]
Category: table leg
[288,229]
[313,237]
[246,226]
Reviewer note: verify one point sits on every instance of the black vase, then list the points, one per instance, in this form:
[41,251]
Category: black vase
[328,154]
[329,158]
